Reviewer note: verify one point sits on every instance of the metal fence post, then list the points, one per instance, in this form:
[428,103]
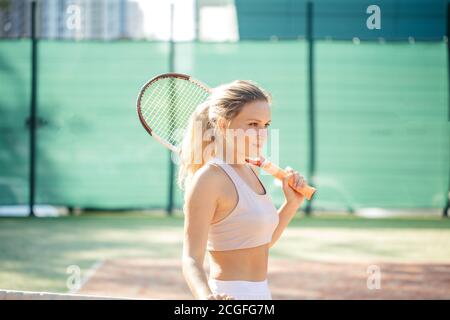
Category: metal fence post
[33,107]
[171,69]
[447,205]
[311,105]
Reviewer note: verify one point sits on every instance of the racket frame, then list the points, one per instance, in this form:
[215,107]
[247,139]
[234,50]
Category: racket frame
[148,84]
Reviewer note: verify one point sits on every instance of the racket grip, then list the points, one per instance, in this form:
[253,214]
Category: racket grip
[280,174]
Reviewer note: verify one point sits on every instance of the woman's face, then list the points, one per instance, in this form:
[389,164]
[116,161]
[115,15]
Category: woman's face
[249,128]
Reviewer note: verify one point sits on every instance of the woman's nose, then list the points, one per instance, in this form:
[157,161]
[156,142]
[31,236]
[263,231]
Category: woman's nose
[262,132]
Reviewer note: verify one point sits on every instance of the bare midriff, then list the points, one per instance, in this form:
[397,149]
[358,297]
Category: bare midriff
[249,264]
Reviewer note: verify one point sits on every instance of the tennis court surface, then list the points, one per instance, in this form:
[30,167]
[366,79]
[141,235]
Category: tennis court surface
[138,256]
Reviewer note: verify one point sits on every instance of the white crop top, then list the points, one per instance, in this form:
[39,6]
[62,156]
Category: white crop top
[250,224]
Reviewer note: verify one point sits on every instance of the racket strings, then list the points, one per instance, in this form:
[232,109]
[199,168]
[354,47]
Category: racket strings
[168,105]
[158,103]
[167,119]
[179,121]
[186,112]
[183,105]
[191,100]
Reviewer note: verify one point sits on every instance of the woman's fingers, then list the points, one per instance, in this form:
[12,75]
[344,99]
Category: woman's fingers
[298,181]
[220,296]
[289,178]
[301,181]
[290,174]
[224,296]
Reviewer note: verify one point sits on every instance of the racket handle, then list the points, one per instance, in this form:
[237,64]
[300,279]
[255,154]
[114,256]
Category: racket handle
[280,174]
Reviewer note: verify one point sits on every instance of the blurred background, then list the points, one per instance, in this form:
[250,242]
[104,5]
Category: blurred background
[362,112]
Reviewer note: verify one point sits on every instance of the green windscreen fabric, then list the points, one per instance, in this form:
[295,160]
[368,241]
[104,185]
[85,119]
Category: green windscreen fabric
[94,152]
[15,84]
[382,129]
[382,124]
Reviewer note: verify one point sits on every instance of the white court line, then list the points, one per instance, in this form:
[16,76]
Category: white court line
[89,274]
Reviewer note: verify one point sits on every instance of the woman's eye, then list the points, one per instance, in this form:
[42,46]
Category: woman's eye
[267,125]
[253,124]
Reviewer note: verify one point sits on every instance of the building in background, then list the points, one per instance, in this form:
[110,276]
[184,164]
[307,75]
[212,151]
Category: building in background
[132,21]
[73,19]
[209,20]
[64,19]
[14,15]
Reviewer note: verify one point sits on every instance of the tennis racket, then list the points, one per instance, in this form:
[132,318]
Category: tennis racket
[164,106]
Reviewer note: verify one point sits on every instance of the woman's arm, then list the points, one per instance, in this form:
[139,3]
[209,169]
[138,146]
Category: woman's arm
[285,213]
[200,205]
[293,201]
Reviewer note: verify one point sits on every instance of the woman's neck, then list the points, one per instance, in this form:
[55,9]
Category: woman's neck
[232,157]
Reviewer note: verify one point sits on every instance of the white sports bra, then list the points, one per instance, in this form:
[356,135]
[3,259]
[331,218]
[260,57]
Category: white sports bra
[250,224]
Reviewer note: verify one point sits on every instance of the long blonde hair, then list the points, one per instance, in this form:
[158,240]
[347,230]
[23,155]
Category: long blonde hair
[225,101]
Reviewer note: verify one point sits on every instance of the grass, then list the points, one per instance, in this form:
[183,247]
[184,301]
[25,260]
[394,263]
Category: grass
[35,253]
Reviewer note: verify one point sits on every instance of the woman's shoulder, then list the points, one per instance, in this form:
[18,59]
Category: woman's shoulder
[209,181]
[208,178]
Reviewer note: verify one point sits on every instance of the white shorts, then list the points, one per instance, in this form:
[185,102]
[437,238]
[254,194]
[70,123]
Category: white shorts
[240,289]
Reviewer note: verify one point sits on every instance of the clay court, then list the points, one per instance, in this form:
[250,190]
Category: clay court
[289,280]
[138,256]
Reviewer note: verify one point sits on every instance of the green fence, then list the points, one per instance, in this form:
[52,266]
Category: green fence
[381,119]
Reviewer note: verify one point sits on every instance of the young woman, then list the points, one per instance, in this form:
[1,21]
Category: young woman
[227,209]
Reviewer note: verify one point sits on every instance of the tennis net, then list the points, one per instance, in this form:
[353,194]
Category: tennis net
[30,295]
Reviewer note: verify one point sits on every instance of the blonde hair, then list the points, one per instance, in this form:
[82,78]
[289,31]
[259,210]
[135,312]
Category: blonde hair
[225,101]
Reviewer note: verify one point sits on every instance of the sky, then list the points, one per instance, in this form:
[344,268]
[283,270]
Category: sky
[157,19]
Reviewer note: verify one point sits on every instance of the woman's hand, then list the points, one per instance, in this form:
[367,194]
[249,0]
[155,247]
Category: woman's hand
[219,296]
[298,181]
